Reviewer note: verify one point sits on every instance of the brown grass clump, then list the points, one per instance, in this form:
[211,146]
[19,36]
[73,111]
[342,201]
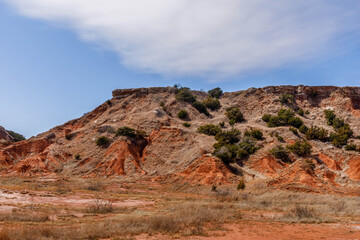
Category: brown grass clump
[100,206]
[23,217]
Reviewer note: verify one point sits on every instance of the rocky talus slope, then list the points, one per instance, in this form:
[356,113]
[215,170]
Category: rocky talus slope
[175,153]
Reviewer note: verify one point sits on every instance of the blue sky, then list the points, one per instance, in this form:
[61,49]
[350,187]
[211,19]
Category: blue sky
[53,69]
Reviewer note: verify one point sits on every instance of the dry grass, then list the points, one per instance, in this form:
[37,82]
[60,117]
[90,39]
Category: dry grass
[100,206]
[23,217]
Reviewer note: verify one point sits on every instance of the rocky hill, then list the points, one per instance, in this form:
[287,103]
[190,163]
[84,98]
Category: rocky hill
[139,133]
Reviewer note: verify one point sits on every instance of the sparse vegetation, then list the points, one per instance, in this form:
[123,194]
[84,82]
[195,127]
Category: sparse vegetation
[182,114]
[241,185]
[342,130]
[228,137]
[186,124]
[280,152]
[254,133]
[317,133]
[77,156]
[266,117]
[293,130]
[286,98]
[212,103]
[216,92]
[313,93]
[201,108]
[234,115]
[103,141]
[126,132]
[284,117]
[301,112]
[351,147]
[222,124]
[184,94]
[303,129]
[209,129]
[300,147]
[68,136]
[16,136]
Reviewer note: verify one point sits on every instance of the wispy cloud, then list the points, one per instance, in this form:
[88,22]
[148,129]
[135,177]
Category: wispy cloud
[204,37]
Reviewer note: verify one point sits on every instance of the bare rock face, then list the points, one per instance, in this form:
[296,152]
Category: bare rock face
[4,135]
[173,152]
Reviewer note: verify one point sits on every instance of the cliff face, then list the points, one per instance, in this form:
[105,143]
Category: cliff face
[173,152]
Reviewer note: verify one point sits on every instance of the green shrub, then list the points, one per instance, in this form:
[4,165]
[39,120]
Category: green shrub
[213,188]
[313,93]
[254,133]
[182,114]
[227,154]
[102,141]
[126,131]
[68,136]
[286,98]
[16,136]
[284,117]
[266,117]
[228,137]
[280,138]
[216,92]
[186,124]
[351,147]
[280,152]
[307,112]
[300,148]
[201,108]
[330,116]
[241,184]
[184,94]
[109,103]
[293,130]
[338,123]
[303,129]
[77,156]
[341,137]
[234,115]
[317,133]
[209,129]
[212,103]
[222,124]
[246,147]
[295,122]
[301,112]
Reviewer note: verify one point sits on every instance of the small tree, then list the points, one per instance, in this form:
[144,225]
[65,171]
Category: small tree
[234,115]
[216,92]
[209,129]
[126,131]
[300,148]
[102,141]
[182,114]
[184,94]
[254,133]
[212,103]
[280,152]
[201,108]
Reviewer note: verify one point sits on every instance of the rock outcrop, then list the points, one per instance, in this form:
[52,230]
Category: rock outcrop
[173,152]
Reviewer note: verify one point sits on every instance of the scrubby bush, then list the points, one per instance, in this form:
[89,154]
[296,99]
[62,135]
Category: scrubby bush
[222,124]
[209,129]
[77,156]
[266,117]
[68,136]
[102,141]
[16,136]
[280,152]
[246,147]
[212,103]
[234,115]
[280,138]
[182,114]
[241,184]
[351,147]
[330,116]
[313,93]
[186,124]
[126,131]
[317,133]
[284,117]
[300,148]
[228,137]
[201,108]
[303,129]
[227,153]
[293,130]
[184,94]
[254,133]
[216,92]
[286,98]
[301,112]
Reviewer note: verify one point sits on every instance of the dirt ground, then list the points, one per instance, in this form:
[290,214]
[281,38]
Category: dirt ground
[130,209]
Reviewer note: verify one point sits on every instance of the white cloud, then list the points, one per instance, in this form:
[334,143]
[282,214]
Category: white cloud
[203,37]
